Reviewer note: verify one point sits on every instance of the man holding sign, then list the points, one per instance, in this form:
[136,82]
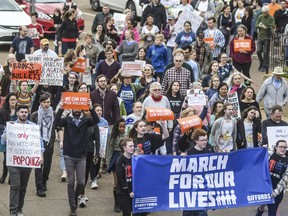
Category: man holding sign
[20,162]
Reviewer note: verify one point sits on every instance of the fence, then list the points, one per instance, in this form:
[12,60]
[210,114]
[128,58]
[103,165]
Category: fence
[277,52]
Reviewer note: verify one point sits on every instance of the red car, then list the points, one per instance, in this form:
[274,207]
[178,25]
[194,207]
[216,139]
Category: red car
[45,10]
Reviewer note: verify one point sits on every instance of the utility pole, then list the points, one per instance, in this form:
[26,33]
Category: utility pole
[32,6]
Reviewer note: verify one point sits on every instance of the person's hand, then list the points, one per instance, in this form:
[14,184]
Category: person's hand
[89,102]
[183,154]
[41,161]
[131,194]
[113,32]
[96,159]
[243,51]
[62,102]
[273,194]
[61,145]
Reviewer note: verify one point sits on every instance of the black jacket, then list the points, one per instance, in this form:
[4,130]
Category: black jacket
[124,175]
[68,29]
[241,138]
[74,144]
[159,13]
[93,139]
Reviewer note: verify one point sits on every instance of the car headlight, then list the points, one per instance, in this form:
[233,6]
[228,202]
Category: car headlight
[43,16]
[79,15]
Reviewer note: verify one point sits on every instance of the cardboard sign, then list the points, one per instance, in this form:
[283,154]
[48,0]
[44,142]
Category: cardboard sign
[52,70]
[32,33]
[210,41]
[274,134]
[197,99]
[242,45]
[188,15]
[75,100]
[132,68]
[23,145]
[26,71]
[189,122]
[103,132]
[80,65]
[119,22]
[233,100]
[158,114]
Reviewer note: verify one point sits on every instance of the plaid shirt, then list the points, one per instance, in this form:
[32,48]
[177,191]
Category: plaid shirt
[200,53]
[182,75]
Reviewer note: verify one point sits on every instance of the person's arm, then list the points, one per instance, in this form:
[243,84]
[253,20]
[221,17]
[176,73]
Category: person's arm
[264,133]
[165,134]
[261,92]
[285,100]
[164,84]
[95,118]
[34,89]
[282,184]
[134,53]
[96,141]
[14,86]
[94,25]
[60,122]
[121,177]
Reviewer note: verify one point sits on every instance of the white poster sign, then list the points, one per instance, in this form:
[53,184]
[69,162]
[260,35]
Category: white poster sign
[233,99]
[274,134]
[132,68]
[196,99]
[119,22]
[23,145]
[188,15]
[103,131]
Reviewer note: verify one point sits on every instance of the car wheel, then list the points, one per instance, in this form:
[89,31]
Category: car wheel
[130,5]
[95,5]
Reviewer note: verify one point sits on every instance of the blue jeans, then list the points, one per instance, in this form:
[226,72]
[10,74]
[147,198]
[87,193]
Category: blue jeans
[62,163]
[272,208]
[170,54]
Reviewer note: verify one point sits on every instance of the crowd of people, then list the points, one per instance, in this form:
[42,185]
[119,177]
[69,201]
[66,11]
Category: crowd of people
[177,64]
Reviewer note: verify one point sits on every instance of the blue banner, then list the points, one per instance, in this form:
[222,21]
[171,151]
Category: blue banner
[206,181]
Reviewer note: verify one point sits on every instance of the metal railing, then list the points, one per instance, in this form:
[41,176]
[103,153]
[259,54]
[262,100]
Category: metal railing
[277,52]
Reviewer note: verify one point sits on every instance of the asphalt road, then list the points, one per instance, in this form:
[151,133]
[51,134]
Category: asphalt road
[100,201]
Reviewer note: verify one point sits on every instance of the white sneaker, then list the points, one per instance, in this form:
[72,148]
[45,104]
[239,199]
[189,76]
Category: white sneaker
[20,214]
[94,185]
[82,202]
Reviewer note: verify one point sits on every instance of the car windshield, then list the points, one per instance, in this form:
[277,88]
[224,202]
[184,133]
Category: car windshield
[9,5]
[49,1]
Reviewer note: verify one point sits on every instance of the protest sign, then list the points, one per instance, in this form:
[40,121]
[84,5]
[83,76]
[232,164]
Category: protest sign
[75,100]
[188,15]
[32,33]
[210,41]
[242,45]
[233,100]
[132,68]
[26,71]
[197,99]
[119,22]
[203,181]
[158,114]
[23,145]
[189,122]
[275,134]
[52,69]
[103,132]
[79,65]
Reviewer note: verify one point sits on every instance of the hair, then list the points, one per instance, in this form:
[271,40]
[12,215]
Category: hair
[188,23]
[245,112]
[81,84]
[210,66]
[249,10]
[150,15]
[221,85]
[220,54]
[225,7]
[79,49]
[259,2]
[214,106]
[88,35]
[34,14]
[70,54]
[131,32]
[244,91]
[160,37]
[187,47]
[22,81]
[100,76]
[178,51]
[45,96]
[186,111]
[222,112]
[134,104]
[169,92]
[243,27]
[9,56]
[124,142]
[154,84]
[22,107]
[265,8]
[108,49]
[68,13]
[106,5]
[5,111]
[197,133]
[276,107]
[97,105]
[277,143]
[102,36]
[133,132]
[114,45]
[115,130]
[114,84]
[211,80]
[212,18]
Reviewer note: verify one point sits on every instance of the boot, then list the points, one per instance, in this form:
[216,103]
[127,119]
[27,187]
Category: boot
[116,205]
[4,175]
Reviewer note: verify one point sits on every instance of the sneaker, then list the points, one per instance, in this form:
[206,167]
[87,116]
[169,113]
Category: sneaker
[73,212]
[64,176]
[94,185]
[82,202]
[41,193]
[13,214]
[260,67]
[259,212]
[19,213]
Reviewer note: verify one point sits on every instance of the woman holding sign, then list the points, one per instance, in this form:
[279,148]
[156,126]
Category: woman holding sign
[242,46]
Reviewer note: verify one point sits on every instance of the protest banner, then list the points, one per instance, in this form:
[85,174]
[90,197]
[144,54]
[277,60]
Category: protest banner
[52,69]
[119,22]
[233,100]
[158,114]
[132,68]
[189,122]
[196,99]
[242,45]
[103,132]
[75,100]
[203,181]
[79,65]
[188,15]
[210,41]
[26,71]
[32,33]
[23,145]
[274,134]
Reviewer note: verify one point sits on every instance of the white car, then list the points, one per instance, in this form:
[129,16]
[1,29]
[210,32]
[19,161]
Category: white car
[118,5]
[11,18]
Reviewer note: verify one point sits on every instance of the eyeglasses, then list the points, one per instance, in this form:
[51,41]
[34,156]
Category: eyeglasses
[204,140]
[178,60]
[224,56]
[157,89]
[283,147]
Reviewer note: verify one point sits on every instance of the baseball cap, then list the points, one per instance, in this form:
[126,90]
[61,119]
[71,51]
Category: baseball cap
[44,41]
[171,17]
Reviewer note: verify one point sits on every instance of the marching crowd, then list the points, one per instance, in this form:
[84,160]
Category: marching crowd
[177,65]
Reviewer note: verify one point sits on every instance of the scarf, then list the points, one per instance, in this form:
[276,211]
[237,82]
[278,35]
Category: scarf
[156,99]
[234,88]
[45,122]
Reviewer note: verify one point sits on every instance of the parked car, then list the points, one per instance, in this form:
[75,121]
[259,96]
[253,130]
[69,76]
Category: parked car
[12,17]
[118,5]
[45,10]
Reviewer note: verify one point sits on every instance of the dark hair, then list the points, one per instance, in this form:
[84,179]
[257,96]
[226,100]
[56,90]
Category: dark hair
[100,76]
[102,36]
[34,14]
[22,107]
[81,84]
[221,85]
[97,105]
[276,107]
[70,54]
[222,112]
[214,106]
[133,132]
[259,2]
[197,133]
[169,92]
[224,7]
[114,45]
[277,143]
[124,142]
[244,91]
[245,112]
[210,66]
[211,18]
[5,111]
[79,49]
[187,47]
[188,23]
[22,81]
[249,10]
[115,130]
[150,15]
[44,97]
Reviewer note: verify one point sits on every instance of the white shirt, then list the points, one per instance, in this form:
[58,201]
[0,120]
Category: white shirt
[49,53]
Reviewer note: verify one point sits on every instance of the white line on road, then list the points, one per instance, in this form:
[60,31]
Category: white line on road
[89,14]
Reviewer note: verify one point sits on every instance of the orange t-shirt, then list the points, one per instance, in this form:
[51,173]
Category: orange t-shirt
[273,8]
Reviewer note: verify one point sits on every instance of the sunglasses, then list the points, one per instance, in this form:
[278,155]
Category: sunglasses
[157,89]
[178,60]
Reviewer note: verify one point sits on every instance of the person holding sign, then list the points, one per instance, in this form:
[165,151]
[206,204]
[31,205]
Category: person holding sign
[242,46]
[74,149]
[36,30]
[224,130]
[19,175]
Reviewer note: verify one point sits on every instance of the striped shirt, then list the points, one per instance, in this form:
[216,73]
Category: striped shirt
[24,99]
